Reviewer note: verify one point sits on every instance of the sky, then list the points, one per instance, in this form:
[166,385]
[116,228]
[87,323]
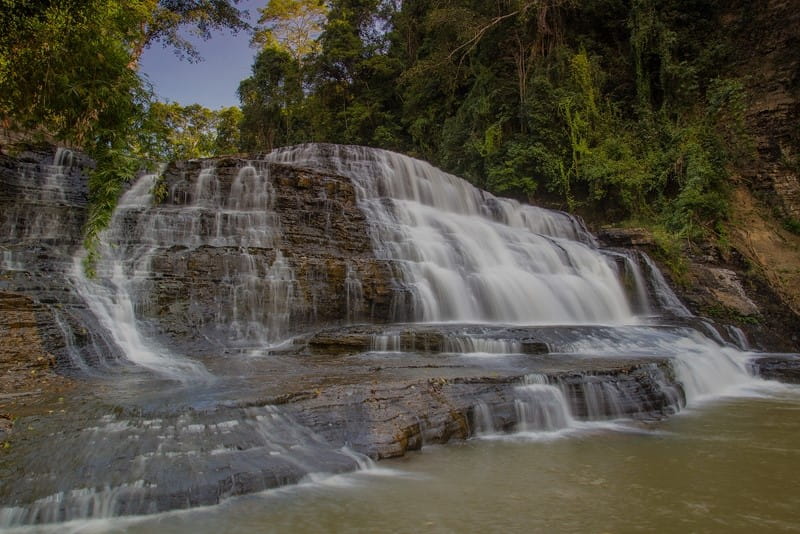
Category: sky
[227,60]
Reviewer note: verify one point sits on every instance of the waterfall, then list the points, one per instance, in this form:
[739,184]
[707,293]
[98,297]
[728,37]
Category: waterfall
[528,326]
[465,255]
[468,256]
[667,300]
[232,228]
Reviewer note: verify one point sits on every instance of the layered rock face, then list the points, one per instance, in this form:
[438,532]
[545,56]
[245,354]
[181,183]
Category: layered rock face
[43,207]
[245,252]
[769,61]
[205,325]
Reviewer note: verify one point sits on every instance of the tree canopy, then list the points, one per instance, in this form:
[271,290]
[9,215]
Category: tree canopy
[622,107]
[618,106]
[69,67]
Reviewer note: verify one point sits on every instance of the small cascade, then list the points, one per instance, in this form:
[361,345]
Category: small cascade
[10,263]
[705,367]
[541,407]
[465,255]
[168,461]
[738,336]
[482,420]
[63,158]
[41,227]
[230,230]
[111,303]
[282,288]
[545,404]
[634,279]
[466,344]
[354,295]
[75,355]
[44,221]
[601,399]
[385,343]
[666,299]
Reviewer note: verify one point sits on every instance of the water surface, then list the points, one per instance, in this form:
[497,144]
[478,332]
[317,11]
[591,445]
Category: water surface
[731,466]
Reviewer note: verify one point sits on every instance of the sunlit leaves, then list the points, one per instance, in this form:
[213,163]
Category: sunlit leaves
[293,25]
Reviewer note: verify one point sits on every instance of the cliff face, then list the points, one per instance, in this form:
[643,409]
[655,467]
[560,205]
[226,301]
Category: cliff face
[768,59]
[42,210]
[249,250]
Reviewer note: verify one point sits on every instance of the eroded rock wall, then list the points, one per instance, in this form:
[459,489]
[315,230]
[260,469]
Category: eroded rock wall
[767,58]
[320,235]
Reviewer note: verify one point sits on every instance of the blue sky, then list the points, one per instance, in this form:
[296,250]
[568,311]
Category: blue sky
[212,82]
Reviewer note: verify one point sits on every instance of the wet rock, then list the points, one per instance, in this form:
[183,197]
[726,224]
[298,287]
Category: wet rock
[783,368]
[318,230]
[625,237]
[717,287]
[387,418]
[27,370]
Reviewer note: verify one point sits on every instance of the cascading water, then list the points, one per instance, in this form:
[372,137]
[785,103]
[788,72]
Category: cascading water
[251,302]
[461,254]
[47,211]
[40,231]
[111,295]
[520,281]
[468,256]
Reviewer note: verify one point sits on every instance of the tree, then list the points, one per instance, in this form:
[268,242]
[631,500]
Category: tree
[292,25]
[271,101]
[228,131]
[173,132]
[68,67]
[64,67]
[164,21]
[68,71]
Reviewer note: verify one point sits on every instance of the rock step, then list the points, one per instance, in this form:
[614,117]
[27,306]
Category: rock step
[780,367]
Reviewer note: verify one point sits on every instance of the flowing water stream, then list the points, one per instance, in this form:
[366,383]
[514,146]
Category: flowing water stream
[730,467]
[175,426]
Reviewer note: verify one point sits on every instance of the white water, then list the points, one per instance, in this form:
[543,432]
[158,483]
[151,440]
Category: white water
[464,256]
[252,300]
[468,256]
[149,449]
[663,293]
[111,303]
[43,188]
[467,344]
[705,368]
[543,412]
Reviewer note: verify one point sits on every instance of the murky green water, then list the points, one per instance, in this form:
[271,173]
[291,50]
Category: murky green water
[733,466]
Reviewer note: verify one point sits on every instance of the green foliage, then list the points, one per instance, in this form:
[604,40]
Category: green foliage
[619,108]
[291,25]
[608,107]
[670,253]
[227,138]
[65,67]
[169,21]
[160,190]
[68,72]
[115,167]
[169,131]
[792,225]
